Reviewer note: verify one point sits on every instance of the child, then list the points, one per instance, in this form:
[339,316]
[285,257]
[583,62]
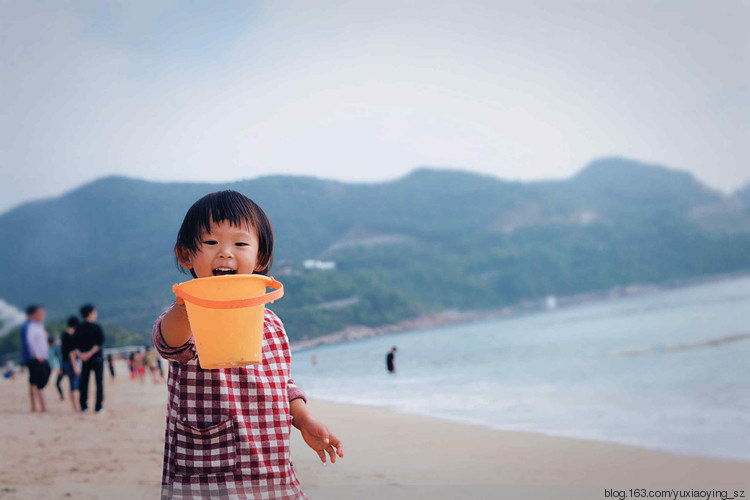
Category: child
[54,365]
[70,361]
[228,430]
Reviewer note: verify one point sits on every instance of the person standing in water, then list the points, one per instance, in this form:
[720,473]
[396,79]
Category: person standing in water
[390,362]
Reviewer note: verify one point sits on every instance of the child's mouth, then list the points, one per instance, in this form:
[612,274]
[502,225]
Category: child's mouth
[223,271]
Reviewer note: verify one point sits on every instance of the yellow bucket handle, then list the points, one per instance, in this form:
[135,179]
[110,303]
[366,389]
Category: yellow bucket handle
[231,304]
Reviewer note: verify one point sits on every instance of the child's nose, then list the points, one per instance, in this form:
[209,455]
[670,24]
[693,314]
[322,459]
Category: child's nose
[226,251]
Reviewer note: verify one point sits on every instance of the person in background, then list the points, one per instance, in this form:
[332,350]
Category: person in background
[69,361]
[39,370]
[390,362]
[53,359]
[30,311]
[158,365]
[111,366]
[153,366]
[10,370]
[139,366]
[89,340]
[131,365]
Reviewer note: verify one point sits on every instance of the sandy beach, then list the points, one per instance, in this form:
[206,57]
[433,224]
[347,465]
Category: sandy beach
[118,454]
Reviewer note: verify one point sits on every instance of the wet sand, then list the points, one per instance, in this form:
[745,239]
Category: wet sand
[118,455]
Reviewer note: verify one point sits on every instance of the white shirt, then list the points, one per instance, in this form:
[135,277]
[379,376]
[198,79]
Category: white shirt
[36,338]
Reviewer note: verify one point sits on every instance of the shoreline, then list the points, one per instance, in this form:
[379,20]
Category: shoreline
[118,455]
[455,316]
[611,441]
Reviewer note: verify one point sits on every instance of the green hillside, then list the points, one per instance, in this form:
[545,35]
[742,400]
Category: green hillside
[432,240]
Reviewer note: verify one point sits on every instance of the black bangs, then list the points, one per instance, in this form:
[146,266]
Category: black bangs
[239,211]
[219,206]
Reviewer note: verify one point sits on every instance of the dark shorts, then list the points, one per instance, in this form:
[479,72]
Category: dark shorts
[39,372]
[71,374]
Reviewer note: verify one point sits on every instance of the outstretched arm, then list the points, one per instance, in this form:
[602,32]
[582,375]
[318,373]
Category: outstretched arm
[164,328]
[175,327]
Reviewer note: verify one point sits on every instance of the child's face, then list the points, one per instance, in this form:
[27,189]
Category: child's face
[225,249]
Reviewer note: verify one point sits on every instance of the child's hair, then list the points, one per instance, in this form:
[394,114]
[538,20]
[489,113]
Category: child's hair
[86,310]
[73,321]
[30,310]
[222,206]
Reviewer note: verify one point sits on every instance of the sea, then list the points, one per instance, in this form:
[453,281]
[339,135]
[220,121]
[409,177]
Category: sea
[657,370]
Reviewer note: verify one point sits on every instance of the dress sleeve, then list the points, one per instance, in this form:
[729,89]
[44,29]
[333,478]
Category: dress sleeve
[181,354]
[294,392]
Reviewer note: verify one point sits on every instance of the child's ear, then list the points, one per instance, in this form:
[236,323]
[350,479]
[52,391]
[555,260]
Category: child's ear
[184,257]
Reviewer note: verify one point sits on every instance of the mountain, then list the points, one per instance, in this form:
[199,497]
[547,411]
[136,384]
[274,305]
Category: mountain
[429,241]
[617,187]
[744,195]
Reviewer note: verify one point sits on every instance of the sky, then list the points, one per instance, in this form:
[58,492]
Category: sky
[369,90]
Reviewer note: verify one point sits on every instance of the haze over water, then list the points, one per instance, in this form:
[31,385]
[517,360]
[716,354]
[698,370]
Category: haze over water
[559,372]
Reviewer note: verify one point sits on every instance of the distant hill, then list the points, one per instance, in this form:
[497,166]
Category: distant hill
[620,186]
[744,195]
[429,241]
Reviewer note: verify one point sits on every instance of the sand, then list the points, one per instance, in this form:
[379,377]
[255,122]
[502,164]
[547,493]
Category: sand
[118,454]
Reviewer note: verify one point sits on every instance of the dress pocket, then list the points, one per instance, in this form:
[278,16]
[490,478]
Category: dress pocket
[202,451]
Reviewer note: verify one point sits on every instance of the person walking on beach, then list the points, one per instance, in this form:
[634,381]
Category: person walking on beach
[390,362]
[89,339]
[39,370]
[69,360]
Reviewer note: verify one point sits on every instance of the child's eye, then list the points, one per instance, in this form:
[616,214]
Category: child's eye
[210,242]
[240,244]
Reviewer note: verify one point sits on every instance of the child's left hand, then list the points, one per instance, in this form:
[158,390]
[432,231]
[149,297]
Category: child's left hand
[321,439]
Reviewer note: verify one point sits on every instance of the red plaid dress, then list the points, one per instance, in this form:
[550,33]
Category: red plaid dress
[228,430]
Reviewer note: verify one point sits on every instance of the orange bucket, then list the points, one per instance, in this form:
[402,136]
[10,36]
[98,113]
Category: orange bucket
[226,317]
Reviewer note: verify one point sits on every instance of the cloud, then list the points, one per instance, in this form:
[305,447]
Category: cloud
[367,90]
